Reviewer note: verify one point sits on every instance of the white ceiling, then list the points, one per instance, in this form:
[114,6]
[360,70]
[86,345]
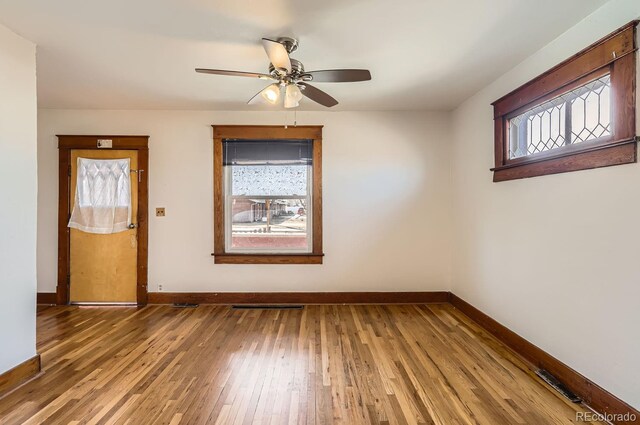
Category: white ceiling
[140,54]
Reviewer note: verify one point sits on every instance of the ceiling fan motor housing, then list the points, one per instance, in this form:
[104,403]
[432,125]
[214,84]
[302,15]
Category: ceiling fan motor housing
[297,70]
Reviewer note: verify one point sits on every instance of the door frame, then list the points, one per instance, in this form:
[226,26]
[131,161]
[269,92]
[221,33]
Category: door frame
[67,143]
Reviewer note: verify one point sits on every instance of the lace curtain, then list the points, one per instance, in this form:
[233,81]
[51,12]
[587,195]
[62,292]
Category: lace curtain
[103,196]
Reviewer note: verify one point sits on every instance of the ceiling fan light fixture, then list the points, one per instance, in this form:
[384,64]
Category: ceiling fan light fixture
[271,93]
[292,96]
[291,77]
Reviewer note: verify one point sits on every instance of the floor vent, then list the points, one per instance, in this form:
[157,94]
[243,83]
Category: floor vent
[267,307]
[557,385]
[185,305]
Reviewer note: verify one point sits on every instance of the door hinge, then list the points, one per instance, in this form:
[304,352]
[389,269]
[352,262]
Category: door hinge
[69,170]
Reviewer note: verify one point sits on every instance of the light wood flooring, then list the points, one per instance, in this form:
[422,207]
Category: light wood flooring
[402,364]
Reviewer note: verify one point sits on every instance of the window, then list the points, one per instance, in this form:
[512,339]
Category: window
[267,195]
[578,115]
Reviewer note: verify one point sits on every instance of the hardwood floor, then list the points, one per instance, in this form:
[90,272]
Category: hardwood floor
[400,364]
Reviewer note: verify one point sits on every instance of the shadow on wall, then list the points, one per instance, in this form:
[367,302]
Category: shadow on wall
[392,208]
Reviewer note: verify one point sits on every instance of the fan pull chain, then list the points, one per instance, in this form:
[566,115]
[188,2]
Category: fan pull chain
[295,118]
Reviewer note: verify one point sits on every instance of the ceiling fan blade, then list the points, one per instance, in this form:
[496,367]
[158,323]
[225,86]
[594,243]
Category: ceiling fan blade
[256,99]
[277,53]
[317,95]
[234,73]
[340,75]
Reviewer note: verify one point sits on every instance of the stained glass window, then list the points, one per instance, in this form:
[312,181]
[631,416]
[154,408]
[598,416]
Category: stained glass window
[580,115]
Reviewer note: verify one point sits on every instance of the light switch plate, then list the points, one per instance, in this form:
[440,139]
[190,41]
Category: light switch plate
[160,212]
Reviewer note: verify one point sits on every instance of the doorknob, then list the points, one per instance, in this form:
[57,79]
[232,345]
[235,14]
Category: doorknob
[132,226]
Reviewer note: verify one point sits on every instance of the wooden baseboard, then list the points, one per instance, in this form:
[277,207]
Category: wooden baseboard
[47,298]
[595,396]
[298,297]
[19,374]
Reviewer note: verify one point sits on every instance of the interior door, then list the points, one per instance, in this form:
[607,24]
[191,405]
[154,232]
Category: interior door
[103,268]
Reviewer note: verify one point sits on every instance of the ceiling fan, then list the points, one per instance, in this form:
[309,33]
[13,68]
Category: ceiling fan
[290,76]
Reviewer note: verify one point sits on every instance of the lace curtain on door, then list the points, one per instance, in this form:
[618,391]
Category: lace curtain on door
[103,196]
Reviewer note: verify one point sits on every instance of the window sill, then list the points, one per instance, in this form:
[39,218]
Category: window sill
[617,153]
[268,258]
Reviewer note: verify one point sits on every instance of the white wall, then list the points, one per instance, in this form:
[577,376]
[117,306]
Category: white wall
[554,258]
[18,188]
[386,200]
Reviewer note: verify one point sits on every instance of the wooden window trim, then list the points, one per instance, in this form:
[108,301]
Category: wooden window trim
[221,132]
[614,54]
[67,143]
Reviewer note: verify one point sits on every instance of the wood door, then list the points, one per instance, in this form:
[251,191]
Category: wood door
[103,268]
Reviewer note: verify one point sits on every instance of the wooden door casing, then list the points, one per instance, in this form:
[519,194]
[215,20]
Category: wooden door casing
[67,143]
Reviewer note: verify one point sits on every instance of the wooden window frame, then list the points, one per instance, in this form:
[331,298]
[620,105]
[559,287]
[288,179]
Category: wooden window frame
[263,132]
[614,54]
[67,143]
